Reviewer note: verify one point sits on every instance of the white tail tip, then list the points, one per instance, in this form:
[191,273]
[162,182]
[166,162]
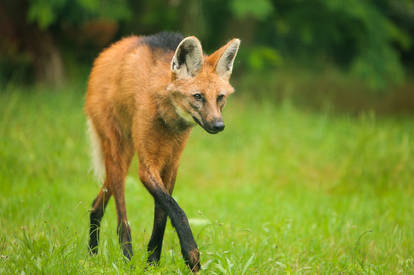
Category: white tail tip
[98,165]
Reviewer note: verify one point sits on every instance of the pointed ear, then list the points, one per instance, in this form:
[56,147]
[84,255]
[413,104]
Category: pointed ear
[188,58]
[223,58]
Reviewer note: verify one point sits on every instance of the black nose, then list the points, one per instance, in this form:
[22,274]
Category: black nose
[218,126]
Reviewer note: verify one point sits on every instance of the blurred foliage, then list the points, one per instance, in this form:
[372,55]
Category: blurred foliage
[371,40]
[259,9]
[45,12]
[260,58]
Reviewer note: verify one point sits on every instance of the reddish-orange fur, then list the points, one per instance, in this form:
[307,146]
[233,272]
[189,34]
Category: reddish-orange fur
[132,111]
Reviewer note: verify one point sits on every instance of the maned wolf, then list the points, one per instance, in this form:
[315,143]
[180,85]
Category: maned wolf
[145,93]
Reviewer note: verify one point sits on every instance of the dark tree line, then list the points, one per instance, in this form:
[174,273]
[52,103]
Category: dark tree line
[370,39]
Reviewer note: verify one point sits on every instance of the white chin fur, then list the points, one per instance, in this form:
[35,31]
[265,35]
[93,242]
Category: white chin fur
[185,116]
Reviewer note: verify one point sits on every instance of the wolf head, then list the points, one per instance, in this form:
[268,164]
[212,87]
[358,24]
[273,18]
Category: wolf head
[200,84]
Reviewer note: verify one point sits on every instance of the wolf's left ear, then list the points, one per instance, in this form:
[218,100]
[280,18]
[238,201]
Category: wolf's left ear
[223,58]
[188,58]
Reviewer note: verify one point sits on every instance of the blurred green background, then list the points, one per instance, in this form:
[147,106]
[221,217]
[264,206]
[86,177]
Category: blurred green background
[313,174]
[369,43]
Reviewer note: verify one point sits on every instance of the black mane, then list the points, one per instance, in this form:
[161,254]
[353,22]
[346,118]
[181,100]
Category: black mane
[166,41]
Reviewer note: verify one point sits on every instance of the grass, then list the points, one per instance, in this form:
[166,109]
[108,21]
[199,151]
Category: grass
[280,191]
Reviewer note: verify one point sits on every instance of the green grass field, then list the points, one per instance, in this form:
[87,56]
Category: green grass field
[280,191]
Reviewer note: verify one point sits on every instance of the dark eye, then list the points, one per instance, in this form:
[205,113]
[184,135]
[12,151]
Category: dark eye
[220,98]
[198,97]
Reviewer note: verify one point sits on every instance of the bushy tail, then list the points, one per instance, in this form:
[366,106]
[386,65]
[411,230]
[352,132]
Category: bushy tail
[98,164]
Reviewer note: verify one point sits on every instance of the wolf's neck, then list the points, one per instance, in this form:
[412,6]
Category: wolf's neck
[168,114]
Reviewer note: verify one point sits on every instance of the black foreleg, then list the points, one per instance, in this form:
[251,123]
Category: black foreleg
[155,243]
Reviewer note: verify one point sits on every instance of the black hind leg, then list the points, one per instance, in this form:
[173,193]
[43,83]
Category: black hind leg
[96,214]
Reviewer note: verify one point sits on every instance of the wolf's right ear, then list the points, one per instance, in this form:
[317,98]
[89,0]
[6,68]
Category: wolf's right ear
[188,58]
[223,59]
